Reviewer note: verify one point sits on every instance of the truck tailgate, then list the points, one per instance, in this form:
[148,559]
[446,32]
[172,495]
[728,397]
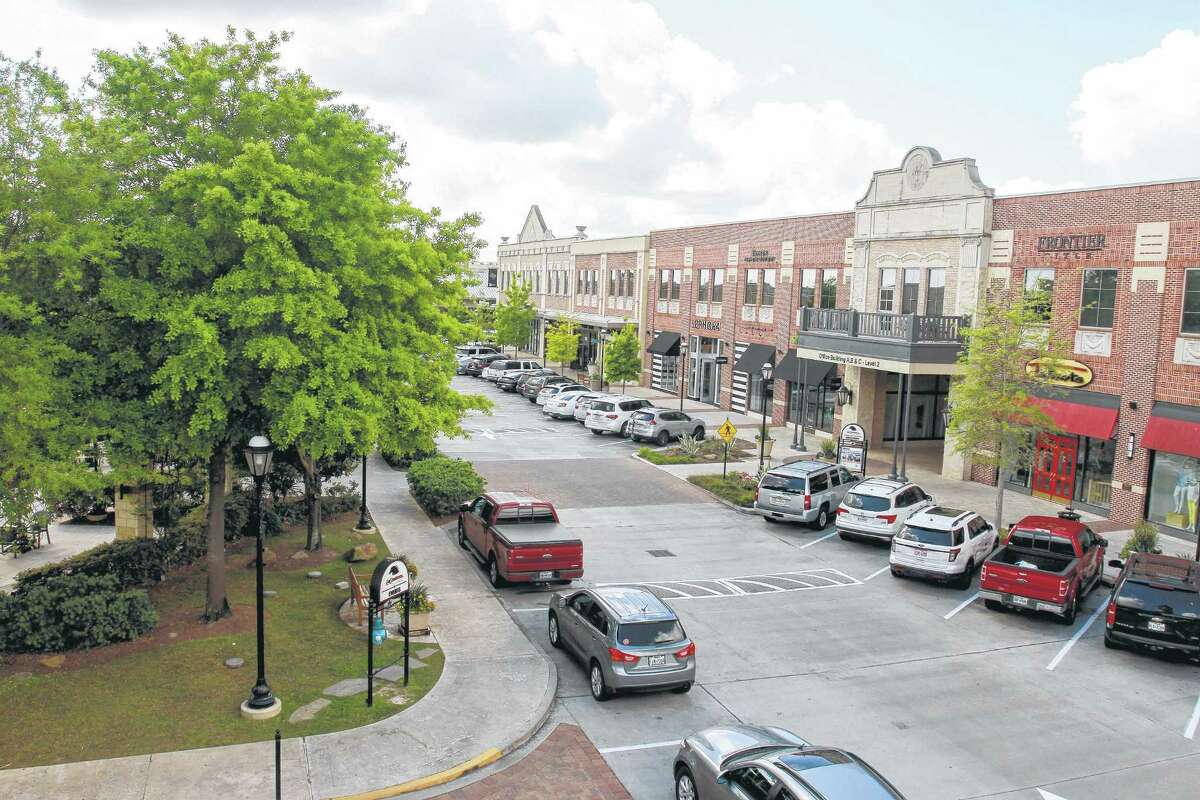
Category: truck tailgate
[529,557]
[1009,579]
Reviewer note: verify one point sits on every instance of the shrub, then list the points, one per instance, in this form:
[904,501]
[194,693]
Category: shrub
[828,449]
[441,484]
[1143,540]
[129,562]
[406,460]
[67,612]
[418,597]
[689,445]
[737,488]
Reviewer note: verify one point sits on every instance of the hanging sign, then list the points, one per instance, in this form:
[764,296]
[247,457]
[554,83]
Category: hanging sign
[389,581]
[1059,371]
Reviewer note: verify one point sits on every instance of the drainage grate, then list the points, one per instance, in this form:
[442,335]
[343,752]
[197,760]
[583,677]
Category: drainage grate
[661,553]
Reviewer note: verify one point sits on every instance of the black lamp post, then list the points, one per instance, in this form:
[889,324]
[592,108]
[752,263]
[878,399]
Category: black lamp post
[262,704]
[364,522]
[767,371]
[604,336]
[682,369]
[802,411]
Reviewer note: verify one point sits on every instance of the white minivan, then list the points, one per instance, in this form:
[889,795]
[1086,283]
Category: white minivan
[943,544]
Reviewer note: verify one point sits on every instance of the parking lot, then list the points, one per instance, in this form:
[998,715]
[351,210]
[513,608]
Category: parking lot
[797,628]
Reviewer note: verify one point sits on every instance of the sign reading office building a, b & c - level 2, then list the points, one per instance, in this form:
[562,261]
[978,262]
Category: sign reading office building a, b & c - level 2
[389,581]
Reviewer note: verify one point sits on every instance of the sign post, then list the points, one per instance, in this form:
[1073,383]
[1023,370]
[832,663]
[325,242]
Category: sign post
[852,449]
[727,432]
[388,582]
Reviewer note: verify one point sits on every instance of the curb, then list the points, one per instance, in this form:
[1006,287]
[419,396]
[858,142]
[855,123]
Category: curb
[741,510]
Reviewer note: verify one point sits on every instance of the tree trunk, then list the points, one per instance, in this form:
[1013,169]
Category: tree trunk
[216,604]
[312,499]
[1000,493]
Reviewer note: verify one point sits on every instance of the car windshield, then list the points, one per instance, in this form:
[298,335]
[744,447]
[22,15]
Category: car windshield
[637,634]
[867,502]
[1165,600]
[784,483]
[915,533]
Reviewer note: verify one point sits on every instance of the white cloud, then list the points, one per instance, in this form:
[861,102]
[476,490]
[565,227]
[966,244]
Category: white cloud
[1147,103]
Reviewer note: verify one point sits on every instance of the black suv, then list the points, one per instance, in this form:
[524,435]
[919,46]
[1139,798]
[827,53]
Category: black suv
[475,366]
[1155,604]
[515,381]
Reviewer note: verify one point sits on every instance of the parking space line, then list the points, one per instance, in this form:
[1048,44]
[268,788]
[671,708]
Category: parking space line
[732,588]
[877,572]
[539,609]
[814,541]
[701,588]
[962,605]
[1066,648]
[1190,731]
[629,747]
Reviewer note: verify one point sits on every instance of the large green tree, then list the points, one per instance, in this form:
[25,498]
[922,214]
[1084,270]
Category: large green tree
[562,342]
[623,357]
[514,316]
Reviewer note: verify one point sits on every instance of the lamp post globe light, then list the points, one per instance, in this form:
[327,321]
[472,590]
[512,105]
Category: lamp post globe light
[262,704]
[767,371]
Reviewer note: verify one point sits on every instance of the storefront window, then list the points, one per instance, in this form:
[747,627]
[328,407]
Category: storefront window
[1175,491]
[1093,474]
[808,288]
[760,394]
[819,408]
[1099,298]
[935,293]
[929,395]
[829,282]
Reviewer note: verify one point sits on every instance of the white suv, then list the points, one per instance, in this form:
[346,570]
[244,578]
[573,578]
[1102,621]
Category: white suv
[498,368]
[944,544]
[611,414]
[877,508]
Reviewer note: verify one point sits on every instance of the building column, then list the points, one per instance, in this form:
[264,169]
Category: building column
[134,512]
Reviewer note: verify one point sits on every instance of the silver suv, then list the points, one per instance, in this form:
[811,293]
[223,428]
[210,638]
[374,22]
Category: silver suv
[803,491]
[629,639]
[662,425]
[877,508]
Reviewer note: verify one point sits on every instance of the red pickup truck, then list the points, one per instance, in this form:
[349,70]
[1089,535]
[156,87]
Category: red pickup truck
[1047,564]
[519,539]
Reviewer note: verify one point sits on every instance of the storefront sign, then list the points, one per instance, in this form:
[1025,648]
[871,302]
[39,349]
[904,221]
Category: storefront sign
[1071,244]
[706,325]
[852,448]
[389,581]
[760,257]
[848,360]
[1060,372]
[721,360]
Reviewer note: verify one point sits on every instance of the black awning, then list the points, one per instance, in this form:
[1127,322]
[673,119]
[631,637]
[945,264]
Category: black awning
[792,369]
[665,344]
[753,357]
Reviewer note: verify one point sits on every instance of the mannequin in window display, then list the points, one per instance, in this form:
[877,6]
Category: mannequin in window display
[1186,495]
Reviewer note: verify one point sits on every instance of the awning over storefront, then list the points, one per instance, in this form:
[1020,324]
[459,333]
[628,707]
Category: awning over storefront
[1173,428]
[665,344]
[792,368]
[1082,413]
[753,357]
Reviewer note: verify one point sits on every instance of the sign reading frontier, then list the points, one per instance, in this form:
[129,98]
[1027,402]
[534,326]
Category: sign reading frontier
[1070,244]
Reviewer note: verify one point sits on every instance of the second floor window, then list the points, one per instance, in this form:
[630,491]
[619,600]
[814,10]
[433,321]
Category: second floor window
[760,287]
[664,283]
[1191,302]
[1039,281]
[887,290]
[702,288]
[718,285]
[829,284]
[612,283]
[675,276]
[1099,299]
[935,293]
[808,288]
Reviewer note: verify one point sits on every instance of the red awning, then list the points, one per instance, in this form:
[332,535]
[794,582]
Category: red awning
[1173,436]
[1084,420]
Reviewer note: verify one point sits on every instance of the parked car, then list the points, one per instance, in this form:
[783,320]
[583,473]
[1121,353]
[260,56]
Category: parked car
[563,404]
[519,540]
[877,508]
[629,639]
[465,353]
[943,544]
[1155,605]
[749,762]
[1047,564]
[583,406]
[550,392]
[611,414]
[802,491]
[501,366]
[515,381]
[532,386]
[661,425]
[476,365]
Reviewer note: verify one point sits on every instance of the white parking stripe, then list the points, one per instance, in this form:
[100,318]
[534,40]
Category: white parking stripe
[731,587]
[539,609]
[962,605]
[877,572]
[1066,648]
[814,541]
[648,746]
[701,588]
[1190,731]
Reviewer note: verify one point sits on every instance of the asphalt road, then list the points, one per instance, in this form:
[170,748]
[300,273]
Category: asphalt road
[946,698]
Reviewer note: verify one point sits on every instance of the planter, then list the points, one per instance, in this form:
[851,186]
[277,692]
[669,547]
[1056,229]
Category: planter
[97,517]
[418,622]
[770,445]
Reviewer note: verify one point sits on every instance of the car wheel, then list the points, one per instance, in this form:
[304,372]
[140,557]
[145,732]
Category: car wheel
[494,577]
[552,631]
[698,434]
[769,518]
[462,535]
[1068,617]
[663,438]
[994,605]
[964,582]
[624,428]
[687,687]
[685,785]
[897,573]
[597,433]
[822,519]
[600,690]
[845,537]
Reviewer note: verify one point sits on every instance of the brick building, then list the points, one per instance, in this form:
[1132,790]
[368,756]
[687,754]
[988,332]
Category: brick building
[861,313]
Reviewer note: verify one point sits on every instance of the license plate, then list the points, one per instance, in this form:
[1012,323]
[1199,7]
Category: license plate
[1157,627]
[1020,601]
[657,661]
[546,576]
[779,501]
[921,553]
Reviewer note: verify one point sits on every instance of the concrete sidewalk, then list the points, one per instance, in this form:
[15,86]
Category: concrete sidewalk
[66,541]
[495,692]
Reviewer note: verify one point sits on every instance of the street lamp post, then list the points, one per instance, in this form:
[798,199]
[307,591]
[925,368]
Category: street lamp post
[803,410]
[604,335]
[767,371]
[262,704]
[364,522]
[682,371]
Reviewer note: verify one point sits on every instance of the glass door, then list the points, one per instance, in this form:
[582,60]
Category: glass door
[708,369]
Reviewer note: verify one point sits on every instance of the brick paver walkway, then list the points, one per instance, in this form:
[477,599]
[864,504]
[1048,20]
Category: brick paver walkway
[566,766]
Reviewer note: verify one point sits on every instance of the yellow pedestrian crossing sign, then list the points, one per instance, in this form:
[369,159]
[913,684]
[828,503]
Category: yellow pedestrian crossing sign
[727,431]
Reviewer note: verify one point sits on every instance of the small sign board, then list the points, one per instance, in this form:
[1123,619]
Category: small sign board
[721,360]
[727,431]
[852,448]
[389,581]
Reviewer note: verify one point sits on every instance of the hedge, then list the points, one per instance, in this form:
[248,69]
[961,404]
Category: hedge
[441,484]
[67,612]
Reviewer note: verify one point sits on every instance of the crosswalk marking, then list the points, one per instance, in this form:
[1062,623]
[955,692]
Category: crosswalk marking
[738,586]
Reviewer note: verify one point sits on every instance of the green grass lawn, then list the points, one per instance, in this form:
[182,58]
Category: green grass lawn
[180,695]
[735,488]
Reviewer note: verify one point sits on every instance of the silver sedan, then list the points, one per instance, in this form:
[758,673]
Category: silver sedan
[751,762]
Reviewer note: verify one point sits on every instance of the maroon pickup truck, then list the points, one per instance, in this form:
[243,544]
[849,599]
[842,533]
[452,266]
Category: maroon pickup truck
[1047,564]
[518,538]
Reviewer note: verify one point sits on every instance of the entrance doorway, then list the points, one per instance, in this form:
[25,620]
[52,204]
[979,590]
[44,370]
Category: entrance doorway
[708,380]
[1054,465]
[704,373]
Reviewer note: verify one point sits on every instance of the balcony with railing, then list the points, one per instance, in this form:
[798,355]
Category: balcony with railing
[910,338]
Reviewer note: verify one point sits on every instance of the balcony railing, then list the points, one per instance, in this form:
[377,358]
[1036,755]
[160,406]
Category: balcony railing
[913,328]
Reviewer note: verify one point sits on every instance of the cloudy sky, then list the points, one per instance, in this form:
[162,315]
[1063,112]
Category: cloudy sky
[626,116]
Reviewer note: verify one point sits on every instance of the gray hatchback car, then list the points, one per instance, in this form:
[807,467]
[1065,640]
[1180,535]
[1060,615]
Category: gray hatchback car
[629,639]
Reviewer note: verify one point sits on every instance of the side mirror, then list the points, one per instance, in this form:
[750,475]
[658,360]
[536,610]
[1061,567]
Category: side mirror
[1117,563]
[1102,542]
[464,507]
